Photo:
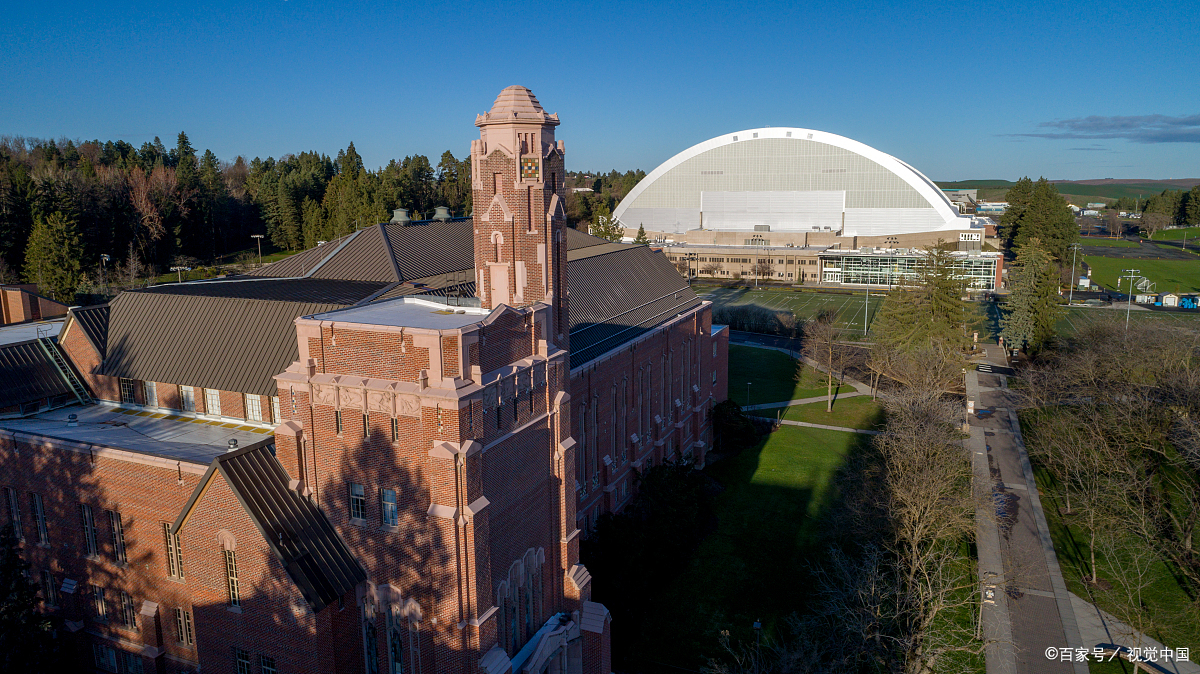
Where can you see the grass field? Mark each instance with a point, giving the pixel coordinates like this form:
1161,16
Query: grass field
1106,243
754,566
1176,234
1077,318
805,304
856,412
1163,598
1170,275
771,375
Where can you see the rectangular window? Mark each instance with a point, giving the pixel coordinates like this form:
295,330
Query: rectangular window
39,518
187,398
106,657
395,429
151,392
99,606
89,530
49,589
241,660
174,553
118,535
337,421
390,515
253,408
275,416
133,663
14,511
183,626
266,665
366,425
127,396
231,578
714,377
358,502
212,401
128,614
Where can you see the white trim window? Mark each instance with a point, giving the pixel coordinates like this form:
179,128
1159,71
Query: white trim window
89,530
231,579
99,605
128,612
212,401
105,657
118,536
358,502
39,518
253,408
276,417
151,391
14,511
127,395
187,398
174,553
183,627
390,514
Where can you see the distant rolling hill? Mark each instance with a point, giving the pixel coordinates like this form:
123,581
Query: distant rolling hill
1080,191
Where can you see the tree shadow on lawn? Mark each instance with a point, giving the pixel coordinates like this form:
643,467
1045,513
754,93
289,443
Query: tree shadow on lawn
774,524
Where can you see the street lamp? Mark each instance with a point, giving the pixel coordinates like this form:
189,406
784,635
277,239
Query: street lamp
179,272
1071,293
1131,274
747,394
259,237
104,258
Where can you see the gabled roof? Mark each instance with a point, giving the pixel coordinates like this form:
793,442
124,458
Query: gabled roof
232,335
578,239
316,558
93,321
27,374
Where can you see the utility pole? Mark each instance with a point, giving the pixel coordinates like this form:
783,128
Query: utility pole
747,394
259,238
866,309
179,272
104,258
1071,294
1131,274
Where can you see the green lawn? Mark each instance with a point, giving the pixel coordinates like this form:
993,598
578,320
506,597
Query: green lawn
854,412
1106,243
771,375
754,566
1164,597
1076,319
1169,275
850,307
1176,234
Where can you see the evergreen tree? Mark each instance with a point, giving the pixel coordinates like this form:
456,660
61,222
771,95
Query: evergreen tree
52,258
1191,215
931,310
641,236
604,225
1033,305
1018,198
27,637
1047,219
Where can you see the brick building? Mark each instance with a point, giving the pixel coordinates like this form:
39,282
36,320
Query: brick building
378,455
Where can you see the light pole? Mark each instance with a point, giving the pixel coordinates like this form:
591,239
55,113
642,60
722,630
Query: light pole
747,394
866,309
179,272
1131,274
104,258
1071,293
259,238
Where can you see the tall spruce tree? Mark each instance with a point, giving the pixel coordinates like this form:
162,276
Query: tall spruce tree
1047,219
1018,198
1033,306
52,258
641,236
27,636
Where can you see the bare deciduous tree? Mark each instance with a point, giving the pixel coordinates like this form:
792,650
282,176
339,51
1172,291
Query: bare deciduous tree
821,345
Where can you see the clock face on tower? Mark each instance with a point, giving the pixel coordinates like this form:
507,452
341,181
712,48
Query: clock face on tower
529,169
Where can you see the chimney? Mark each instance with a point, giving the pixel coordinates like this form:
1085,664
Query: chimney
232,445
441,213
400,216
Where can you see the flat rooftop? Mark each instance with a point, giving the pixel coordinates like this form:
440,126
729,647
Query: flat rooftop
407,312
23,332
160,434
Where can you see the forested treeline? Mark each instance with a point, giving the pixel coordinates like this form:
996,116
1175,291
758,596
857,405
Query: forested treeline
1182,208
607,190
64,204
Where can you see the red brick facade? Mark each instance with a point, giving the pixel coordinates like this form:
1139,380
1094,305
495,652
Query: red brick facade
460,465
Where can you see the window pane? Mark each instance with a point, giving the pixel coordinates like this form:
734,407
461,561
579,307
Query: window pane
390,515
151,394
212,401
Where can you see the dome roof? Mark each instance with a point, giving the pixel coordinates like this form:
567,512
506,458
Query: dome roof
516,103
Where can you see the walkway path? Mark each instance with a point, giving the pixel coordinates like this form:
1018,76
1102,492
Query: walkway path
803,401
789,422
1032,610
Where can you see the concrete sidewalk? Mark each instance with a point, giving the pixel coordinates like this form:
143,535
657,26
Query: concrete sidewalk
805,424
802,401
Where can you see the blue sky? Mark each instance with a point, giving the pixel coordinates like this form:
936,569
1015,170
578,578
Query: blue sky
1066,90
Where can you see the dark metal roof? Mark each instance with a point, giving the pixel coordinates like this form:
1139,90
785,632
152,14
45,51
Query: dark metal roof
317,559
431,248
295,266
618,292
578,239
232,336
364,258
94,323
27,374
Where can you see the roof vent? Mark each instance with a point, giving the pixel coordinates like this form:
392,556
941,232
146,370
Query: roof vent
441,213
762,228
232,445
72,420
400,216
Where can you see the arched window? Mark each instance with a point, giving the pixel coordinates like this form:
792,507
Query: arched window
396,640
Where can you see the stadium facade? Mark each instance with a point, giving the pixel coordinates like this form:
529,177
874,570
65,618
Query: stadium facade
753,203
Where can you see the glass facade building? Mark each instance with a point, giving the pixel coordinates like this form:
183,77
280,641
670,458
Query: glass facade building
886,269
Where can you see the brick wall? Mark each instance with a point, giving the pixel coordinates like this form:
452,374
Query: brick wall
86,359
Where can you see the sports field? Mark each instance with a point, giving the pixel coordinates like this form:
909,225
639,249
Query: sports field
1078,318
1177,234
1168,275
805,304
